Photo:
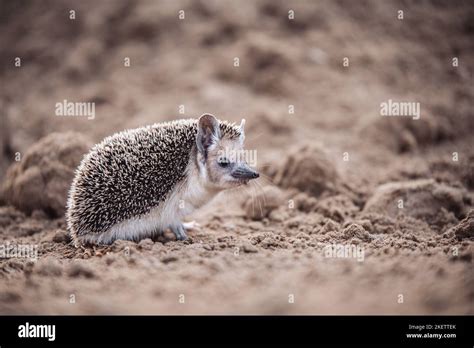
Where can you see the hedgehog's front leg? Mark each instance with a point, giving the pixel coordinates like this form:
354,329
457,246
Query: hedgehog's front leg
191,225
179,231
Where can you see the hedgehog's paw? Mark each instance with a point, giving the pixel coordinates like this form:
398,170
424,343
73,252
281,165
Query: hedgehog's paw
179,232
191,226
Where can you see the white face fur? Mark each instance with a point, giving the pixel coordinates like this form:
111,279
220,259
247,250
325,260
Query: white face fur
220,161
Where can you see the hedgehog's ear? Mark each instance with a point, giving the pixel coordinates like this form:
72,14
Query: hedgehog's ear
208,132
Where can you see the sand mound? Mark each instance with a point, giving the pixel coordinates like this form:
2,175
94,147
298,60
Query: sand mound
41,180
422,199
309,170
406,134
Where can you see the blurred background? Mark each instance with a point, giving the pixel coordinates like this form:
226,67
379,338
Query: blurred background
190,63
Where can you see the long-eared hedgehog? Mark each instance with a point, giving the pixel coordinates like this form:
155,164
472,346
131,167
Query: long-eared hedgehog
138,183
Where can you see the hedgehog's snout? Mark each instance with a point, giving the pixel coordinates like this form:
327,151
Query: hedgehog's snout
244,172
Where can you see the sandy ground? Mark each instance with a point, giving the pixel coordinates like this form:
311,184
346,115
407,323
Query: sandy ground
398,192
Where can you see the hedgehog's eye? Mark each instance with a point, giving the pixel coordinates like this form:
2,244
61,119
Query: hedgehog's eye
223,162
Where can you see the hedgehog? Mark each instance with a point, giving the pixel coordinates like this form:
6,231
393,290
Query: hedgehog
139,183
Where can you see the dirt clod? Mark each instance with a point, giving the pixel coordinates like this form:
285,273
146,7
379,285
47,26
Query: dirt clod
61,236
262,203
42,178
309,170
421,199
465,228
